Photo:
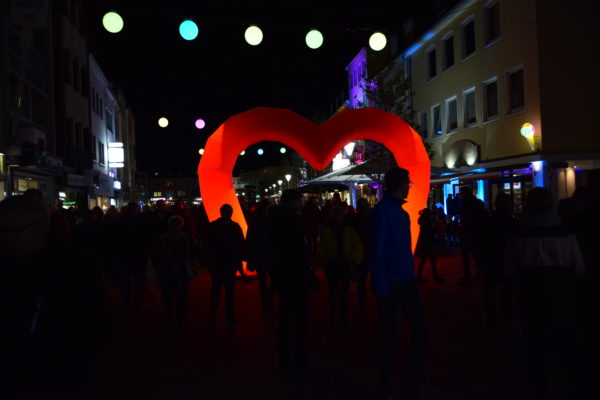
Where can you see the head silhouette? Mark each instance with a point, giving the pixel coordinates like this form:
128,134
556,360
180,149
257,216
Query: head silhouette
538,200
226,211
397,182
292,198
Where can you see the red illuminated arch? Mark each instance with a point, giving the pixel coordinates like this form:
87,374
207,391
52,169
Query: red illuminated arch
316,144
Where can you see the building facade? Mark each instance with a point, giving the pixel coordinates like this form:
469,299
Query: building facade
72,102
500,96
172,188
58,113
27,131
125,185
103,104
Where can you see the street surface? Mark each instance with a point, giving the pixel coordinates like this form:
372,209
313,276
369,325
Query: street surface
153,359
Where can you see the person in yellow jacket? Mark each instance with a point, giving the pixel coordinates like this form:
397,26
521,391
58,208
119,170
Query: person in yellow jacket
340,251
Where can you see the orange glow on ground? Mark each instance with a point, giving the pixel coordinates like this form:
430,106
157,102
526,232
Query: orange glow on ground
316,144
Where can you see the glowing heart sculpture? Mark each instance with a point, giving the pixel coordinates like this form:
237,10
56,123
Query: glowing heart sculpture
316,144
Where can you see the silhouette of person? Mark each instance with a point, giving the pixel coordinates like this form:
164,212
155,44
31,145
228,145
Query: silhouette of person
133,260
426,245
473,217
360,222
291,281
259,251
587,221
393,278
545,261
336,199
501,225
56,314
175,269
313,219
340,250
225,253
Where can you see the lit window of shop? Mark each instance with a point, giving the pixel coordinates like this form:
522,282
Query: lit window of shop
157,194
24,184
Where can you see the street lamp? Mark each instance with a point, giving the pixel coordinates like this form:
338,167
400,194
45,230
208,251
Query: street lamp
287,178
279,182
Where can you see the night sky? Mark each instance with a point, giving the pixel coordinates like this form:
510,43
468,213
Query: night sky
218,74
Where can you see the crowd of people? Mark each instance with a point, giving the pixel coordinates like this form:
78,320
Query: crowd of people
540,266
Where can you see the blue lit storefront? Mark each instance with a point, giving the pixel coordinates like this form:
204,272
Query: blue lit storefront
515,177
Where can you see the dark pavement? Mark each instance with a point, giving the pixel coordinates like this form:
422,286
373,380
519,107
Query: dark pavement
153,359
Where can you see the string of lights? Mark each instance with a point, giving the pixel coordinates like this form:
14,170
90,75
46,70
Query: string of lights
253,34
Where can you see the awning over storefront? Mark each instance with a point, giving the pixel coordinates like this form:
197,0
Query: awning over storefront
353,174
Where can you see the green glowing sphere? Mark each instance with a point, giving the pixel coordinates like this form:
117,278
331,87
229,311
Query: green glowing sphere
314,39
253,35
377,41
112,22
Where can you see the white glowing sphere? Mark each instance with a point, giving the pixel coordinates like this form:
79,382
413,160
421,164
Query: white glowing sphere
282,150
243,152
377,41
253,35
201,151
163,122
314,39
260,152
112,22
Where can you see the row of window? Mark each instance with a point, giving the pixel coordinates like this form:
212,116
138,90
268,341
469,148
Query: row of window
430,121
491,33
180,193
97,103
97,107
76,75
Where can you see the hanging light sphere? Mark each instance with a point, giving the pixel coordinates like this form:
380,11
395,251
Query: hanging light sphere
163,122
314,39
282,150
377,41
243,152
260,152
201,151
188,30
112,22
200,123
253,35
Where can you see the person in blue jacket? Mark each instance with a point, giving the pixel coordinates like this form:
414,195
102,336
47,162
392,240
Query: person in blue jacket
393,279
